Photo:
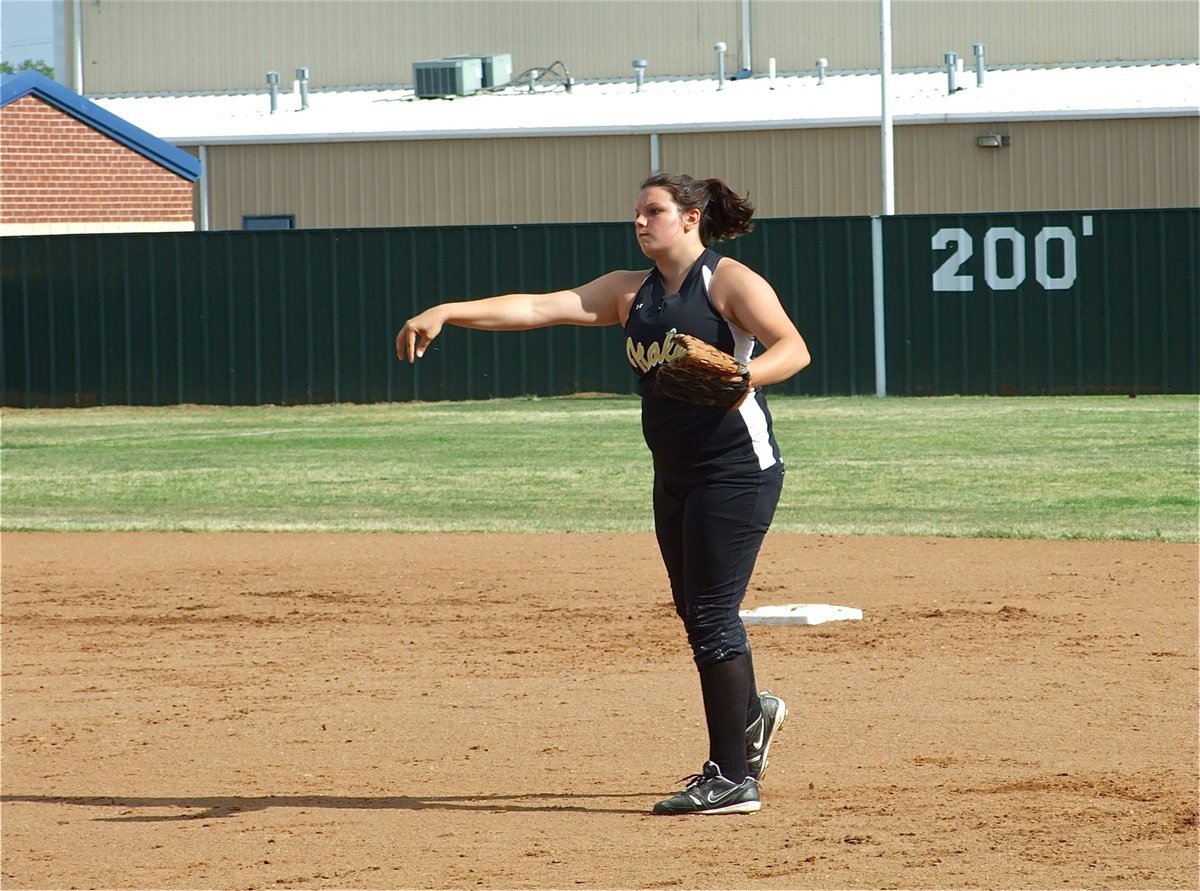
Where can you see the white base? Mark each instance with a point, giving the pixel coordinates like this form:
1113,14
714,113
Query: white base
799,614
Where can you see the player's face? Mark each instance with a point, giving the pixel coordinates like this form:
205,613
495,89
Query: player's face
657,220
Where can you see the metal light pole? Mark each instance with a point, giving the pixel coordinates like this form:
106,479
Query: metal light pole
885,118
889,195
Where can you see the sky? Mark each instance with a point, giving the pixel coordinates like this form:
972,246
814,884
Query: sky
27,30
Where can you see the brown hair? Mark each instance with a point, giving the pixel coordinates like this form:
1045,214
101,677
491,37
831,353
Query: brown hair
723,213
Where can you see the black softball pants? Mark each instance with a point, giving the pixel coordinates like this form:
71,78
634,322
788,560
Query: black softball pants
710,535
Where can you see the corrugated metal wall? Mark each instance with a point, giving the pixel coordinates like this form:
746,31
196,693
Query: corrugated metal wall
975,304
1016,32
428,182
1049,303
1145,162
1136,162
135,45
788,173
150,45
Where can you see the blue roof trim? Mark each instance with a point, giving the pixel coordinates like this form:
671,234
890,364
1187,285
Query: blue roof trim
16,86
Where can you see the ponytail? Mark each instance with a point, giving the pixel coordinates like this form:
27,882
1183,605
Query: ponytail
727,214
723,213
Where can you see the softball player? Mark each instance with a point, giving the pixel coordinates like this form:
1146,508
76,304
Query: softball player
717,474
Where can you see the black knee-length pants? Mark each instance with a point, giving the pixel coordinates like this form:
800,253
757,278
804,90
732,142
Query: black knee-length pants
710,535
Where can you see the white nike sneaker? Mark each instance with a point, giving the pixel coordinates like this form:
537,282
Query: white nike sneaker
710,793
760,734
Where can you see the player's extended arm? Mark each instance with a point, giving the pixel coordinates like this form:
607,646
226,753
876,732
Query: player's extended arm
592,304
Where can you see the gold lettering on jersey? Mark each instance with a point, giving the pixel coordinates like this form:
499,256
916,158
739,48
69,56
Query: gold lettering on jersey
644,358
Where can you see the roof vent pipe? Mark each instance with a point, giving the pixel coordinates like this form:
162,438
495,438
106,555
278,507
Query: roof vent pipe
302,77
720,48
273,83
771,71
822,64
639,72
979,49
951,60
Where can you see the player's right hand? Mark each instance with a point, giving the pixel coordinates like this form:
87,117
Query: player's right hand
416,335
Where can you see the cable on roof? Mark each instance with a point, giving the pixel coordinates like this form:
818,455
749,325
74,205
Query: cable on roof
554,76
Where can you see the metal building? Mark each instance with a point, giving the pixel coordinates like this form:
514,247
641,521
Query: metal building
159,46
802,145
1089,104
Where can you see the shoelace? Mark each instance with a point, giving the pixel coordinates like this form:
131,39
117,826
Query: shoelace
696,779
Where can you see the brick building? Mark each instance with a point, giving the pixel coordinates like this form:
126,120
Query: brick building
69,166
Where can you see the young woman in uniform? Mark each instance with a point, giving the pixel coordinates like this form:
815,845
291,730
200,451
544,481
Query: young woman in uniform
717,474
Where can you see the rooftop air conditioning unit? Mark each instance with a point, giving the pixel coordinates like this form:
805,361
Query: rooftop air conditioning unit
447,77
497,68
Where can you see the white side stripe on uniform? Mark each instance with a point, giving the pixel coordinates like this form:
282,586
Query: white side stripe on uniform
750,411
756,424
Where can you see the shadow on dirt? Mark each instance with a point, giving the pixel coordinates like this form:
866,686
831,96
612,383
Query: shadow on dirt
216,807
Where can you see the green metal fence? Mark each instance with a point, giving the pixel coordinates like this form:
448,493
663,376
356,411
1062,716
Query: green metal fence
310,316
1101,301
1043,303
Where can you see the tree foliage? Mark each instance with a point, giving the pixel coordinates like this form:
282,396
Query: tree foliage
38,65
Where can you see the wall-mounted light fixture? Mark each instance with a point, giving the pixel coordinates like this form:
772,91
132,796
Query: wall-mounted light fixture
993,140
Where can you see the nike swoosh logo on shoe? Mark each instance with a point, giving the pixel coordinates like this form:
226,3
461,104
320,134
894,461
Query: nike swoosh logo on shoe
762,734
717,798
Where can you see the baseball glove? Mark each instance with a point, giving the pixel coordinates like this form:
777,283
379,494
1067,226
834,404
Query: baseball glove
697,372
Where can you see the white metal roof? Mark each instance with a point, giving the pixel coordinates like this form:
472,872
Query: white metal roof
664,106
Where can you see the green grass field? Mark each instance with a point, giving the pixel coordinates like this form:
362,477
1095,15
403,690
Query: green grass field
1070,467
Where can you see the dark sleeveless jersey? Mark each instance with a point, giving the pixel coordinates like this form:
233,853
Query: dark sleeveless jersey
691,443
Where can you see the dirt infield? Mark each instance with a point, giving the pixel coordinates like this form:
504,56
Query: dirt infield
500,711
